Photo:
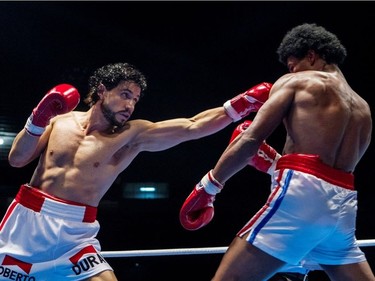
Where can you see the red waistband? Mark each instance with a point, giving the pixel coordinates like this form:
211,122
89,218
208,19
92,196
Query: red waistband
34,199
313,165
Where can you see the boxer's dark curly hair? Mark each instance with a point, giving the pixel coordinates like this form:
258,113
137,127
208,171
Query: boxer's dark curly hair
110,76
302,38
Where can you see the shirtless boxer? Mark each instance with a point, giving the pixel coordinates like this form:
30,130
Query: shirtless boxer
49,231
311,211
264,161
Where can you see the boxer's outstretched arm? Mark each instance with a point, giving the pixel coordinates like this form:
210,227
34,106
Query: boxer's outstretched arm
165,134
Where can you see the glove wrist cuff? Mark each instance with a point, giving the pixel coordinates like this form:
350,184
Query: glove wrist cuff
211,185
33,129
231,112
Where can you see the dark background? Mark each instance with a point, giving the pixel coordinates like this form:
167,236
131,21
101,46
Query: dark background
196,55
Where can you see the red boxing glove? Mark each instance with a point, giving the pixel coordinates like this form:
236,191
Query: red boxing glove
59,100
249,101
266,157
198,208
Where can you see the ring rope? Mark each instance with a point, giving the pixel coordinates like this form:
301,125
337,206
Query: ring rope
190,251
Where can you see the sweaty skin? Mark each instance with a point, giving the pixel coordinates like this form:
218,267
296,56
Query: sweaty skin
322,115
82,154
310,103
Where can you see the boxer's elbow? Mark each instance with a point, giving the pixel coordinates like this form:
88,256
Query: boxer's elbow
17,160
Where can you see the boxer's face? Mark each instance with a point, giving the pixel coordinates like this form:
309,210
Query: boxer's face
295,65
119,103
306,63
